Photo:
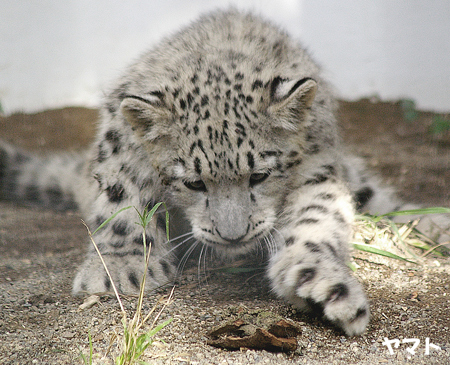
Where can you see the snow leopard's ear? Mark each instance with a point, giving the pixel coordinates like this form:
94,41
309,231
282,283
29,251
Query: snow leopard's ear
147,114
290,100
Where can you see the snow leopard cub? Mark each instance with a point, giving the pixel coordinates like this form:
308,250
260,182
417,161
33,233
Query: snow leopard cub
229,121
231,124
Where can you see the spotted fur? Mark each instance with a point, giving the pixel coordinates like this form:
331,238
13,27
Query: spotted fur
231,124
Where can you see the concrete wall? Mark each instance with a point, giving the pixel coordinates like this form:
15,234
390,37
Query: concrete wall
57,53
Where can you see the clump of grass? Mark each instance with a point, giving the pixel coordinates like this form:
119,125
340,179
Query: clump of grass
440,125
379,235
133,343
409,110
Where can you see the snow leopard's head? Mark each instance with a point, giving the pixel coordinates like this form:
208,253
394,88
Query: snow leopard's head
229,159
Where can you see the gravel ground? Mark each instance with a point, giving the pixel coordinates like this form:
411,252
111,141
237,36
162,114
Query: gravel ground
40,322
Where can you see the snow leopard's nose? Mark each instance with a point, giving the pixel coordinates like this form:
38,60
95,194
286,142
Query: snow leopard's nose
229,211
232,237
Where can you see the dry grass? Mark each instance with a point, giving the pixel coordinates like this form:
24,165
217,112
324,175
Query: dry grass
379,235
133,340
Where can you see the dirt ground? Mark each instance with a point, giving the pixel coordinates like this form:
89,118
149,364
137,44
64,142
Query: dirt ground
40,322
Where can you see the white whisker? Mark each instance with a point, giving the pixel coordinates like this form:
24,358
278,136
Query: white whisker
271,242
180,236
199,268
181,243
274,246
260,245
204,263
185,257
280,239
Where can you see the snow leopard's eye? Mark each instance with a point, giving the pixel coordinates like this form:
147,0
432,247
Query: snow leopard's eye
258,178
198,185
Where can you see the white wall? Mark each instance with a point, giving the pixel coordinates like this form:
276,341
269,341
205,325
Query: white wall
57,53
392,49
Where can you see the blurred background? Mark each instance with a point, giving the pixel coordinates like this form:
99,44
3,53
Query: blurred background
58,53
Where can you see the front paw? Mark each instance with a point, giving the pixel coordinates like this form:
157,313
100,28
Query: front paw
328,287
346,306
126,272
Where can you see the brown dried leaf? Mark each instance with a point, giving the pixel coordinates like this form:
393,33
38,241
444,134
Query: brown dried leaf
237,333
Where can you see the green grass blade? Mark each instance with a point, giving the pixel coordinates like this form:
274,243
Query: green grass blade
352,266
83,357
425,247
378,251
158,328
364,217
142,343
146,339
146,217
110,219
167,223
91,348
87,361
434,210
150,214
